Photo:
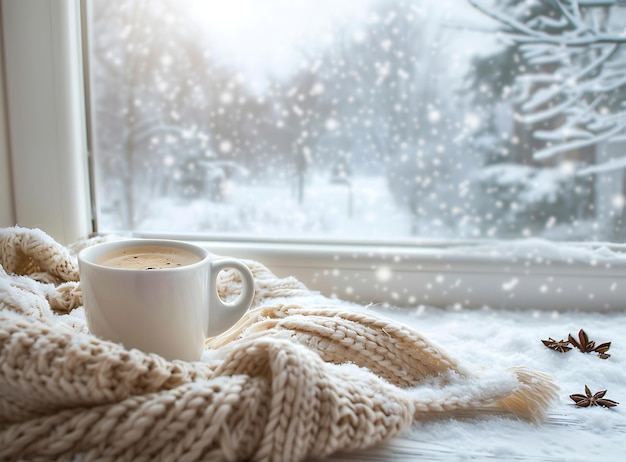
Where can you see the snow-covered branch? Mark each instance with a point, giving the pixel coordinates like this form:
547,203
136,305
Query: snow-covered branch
574,72
532,32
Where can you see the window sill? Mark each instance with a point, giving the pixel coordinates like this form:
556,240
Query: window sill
527,274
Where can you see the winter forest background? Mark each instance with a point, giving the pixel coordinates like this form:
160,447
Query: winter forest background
366,119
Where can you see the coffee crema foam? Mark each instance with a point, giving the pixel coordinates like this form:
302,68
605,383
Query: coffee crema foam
148,258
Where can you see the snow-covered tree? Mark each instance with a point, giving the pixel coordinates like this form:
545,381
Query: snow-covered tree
156,81
571,69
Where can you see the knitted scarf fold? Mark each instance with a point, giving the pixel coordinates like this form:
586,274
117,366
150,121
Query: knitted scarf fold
298,376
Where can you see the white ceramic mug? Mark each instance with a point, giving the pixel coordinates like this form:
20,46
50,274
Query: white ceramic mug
167,311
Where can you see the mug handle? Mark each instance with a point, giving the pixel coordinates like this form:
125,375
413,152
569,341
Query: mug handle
226,314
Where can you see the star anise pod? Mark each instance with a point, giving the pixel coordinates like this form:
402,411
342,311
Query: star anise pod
589,399
561,345
602,350
583,344
589,346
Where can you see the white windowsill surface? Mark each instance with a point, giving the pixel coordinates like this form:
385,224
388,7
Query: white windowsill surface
500,338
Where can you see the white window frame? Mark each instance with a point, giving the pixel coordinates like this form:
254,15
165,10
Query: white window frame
7,212
48,188
45,113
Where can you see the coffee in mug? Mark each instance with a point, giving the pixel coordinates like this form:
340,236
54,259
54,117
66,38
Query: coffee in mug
159,296
148,258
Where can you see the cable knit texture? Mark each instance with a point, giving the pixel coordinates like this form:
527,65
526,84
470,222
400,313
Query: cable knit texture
298,376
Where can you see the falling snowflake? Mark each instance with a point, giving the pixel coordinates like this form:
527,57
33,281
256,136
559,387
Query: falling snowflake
510,285
331,124
383,274
434,116
226,146
226,97
618,201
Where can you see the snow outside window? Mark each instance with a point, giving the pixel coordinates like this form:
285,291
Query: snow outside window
393,122
360,119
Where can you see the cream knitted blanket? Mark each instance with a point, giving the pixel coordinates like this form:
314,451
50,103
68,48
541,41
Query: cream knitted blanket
299,376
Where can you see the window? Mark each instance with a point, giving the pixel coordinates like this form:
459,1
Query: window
459,166
385,120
